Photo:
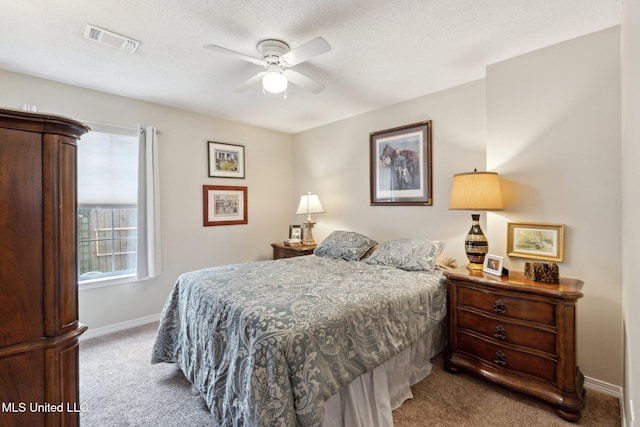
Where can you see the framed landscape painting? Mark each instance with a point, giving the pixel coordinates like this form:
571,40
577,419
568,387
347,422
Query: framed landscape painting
536,241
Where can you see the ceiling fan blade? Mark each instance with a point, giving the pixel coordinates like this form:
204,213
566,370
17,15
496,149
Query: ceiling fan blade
313,48
303,81
253,80
226,51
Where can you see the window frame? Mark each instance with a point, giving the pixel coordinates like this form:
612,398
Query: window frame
127,276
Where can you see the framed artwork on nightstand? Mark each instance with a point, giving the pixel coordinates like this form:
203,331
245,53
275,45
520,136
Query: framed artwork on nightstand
536,241
295,232
493,264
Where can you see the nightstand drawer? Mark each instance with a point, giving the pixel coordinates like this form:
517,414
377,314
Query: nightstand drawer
507,358
500,304
508,332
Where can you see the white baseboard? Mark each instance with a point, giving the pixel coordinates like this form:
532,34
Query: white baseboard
603,387
92,333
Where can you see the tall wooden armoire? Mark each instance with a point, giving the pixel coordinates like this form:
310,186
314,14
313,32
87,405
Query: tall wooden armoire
39,326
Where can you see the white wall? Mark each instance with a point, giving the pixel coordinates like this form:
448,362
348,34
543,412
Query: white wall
631,203
553,134
549,123
183,136
333,161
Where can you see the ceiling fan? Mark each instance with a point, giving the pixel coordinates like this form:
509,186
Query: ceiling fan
277,58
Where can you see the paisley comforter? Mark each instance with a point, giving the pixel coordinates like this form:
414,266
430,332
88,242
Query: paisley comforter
266,343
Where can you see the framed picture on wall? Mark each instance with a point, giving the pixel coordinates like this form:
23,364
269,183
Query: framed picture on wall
225,160
400,166
224,205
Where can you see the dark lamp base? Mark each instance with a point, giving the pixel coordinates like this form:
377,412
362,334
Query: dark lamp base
476,244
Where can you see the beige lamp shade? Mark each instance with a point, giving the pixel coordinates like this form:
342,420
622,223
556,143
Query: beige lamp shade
476,191
309,203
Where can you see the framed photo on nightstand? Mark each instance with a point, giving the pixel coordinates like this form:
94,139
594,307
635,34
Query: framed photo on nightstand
493,264
295,232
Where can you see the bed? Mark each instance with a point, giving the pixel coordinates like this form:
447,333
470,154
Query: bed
331,339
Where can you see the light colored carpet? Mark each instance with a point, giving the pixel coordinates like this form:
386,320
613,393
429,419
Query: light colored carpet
120,387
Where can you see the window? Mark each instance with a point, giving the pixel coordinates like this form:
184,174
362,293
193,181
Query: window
117,182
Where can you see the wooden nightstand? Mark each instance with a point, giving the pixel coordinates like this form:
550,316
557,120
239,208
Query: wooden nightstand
280,250
517,333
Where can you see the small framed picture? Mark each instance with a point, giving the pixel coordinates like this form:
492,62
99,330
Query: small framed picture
224,205
295,232
226,160
493,264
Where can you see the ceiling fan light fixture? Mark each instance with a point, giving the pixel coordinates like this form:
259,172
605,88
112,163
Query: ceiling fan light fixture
274,81
276,56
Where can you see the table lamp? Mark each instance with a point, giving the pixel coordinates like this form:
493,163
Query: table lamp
476,191
309,203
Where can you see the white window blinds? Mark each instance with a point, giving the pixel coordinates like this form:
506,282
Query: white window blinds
108,167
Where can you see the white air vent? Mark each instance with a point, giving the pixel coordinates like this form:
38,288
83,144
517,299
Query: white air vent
111,39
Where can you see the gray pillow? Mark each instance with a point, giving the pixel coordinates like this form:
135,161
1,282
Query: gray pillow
347,245
407,254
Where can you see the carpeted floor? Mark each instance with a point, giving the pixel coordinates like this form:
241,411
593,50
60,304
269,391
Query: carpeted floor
119,387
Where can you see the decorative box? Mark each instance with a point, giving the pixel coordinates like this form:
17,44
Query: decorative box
542,272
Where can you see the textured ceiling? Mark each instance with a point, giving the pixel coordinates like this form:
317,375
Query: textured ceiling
383,51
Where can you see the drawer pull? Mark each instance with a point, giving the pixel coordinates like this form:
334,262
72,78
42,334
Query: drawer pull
500,333
499,307
500,359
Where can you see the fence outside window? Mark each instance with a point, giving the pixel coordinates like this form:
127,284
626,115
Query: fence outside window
107,242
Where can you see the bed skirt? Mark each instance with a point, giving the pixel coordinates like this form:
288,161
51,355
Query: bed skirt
368,401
